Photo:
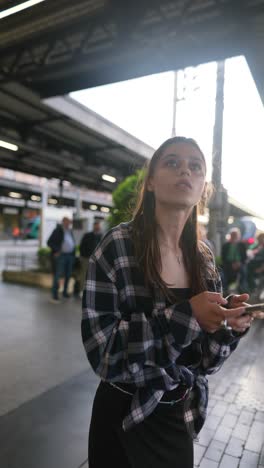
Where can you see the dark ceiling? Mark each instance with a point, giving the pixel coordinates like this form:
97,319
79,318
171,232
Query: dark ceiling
60,46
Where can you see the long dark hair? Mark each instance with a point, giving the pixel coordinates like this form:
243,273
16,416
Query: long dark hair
196,254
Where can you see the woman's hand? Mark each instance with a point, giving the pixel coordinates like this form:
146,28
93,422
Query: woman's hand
258,314
239,324
209,313
238,300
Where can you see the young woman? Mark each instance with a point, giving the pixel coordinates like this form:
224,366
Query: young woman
153,318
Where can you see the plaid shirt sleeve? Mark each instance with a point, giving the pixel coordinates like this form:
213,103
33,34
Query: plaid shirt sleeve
218,346
133,348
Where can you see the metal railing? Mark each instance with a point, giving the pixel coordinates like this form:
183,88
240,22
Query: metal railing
20,261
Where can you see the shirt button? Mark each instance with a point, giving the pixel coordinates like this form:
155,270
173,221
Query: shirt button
134,368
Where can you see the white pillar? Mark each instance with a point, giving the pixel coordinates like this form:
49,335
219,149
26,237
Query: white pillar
175,100
78,205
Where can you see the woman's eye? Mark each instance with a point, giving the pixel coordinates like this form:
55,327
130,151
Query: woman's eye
196,167
172,163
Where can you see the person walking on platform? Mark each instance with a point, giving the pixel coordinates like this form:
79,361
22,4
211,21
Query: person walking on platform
255,266
62,244
154,319
88,243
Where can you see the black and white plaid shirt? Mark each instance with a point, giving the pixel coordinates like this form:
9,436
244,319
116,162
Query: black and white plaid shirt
131,336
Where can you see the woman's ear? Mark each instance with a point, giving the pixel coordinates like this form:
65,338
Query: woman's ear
150,185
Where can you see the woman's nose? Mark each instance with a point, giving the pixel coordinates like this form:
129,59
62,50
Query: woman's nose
184,169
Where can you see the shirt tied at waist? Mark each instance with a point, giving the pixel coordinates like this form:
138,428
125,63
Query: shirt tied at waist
148,398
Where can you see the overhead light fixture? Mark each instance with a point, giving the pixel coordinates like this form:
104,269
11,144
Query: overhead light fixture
109,178
11,211
14,195
105,209
9,146
52,201
17,8
93,207
35,198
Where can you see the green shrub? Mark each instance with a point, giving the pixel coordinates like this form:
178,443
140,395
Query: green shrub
42,251
124,199
44,259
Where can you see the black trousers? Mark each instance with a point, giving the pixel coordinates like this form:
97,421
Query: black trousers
160,441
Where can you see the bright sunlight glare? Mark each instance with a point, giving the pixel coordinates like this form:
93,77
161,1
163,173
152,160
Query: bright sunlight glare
144,108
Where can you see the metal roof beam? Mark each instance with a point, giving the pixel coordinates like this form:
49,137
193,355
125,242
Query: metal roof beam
71,53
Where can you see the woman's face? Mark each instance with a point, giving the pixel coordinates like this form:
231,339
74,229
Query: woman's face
261,239
179,176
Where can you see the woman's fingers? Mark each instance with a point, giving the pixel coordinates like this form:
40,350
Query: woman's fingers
242,297
258,315
238,299
240,324
216,298
233,313
240,330
208,310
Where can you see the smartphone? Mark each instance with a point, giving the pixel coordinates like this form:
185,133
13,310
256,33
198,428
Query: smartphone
253,308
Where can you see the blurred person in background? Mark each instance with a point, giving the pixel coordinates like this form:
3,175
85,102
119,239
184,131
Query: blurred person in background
15,233
62,244
204,238
88,244
255,266
234,257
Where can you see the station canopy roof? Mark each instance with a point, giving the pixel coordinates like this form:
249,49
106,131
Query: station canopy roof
56,47
60,46
65,140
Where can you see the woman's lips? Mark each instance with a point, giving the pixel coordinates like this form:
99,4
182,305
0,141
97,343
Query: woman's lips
184,184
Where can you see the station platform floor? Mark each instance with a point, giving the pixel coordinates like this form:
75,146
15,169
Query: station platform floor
47,389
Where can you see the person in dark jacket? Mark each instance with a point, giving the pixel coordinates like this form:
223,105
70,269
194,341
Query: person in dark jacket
62,244
234,257
255,266
88,243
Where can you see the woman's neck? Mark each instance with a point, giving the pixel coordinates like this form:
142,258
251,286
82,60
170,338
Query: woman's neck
170,226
